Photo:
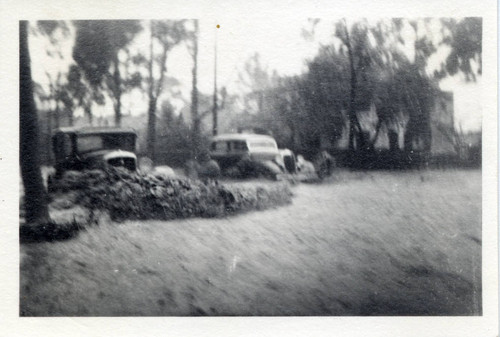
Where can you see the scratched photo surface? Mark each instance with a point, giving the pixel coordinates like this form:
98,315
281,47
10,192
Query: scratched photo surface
323,167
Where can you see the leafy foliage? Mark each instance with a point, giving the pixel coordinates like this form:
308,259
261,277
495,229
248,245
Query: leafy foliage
466,48
128,195
173,139
97,44
370,66
167,34
81,92
96,51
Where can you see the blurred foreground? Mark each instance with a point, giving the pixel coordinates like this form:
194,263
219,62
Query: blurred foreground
377,243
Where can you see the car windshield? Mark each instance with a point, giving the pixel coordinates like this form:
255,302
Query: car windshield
220,146
122,141
262,143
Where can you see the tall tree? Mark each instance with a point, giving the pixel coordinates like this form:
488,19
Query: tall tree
54,34
255,79
97,49
60,95
173,136
355,40
418,94
165,35
43,101
81,93
35,197
418,90
465,40
284,118
325,93
195,114
386,94
381,65
392,76
55,88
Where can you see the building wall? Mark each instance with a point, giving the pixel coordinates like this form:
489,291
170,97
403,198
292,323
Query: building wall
442,114
442,118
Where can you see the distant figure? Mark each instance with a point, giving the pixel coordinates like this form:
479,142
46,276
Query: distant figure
325,163
207,167
204,168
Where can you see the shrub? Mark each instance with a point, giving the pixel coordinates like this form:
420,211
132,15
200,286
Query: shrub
247,168
128,195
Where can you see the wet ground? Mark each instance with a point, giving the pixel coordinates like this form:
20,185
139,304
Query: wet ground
382,243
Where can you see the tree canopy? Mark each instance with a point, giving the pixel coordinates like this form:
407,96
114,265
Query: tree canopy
97,50
382,65
377,66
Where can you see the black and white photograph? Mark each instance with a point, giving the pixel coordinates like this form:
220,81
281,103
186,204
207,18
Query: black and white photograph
236,167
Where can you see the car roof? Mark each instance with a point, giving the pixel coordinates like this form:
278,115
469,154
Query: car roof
94,130
241,136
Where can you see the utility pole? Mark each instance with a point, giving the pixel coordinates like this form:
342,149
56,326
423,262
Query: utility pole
214,111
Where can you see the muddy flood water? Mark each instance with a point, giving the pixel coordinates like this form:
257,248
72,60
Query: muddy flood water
379,243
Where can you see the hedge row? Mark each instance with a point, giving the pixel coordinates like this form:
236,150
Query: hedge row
126,195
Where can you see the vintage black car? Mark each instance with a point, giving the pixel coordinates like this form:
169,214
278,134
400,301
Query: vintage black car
79,149
257,153
249,153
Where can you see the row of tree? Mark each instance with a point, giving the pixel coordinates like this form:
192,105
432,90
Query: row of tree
105,66
381,65
366,64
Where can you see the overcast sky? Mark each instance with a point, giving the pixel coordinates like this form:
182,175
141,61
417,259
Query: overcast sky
280,45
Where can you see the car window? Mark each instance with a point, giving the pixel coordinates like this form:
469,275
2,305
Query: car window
86,143
119,141
220,146
262,143
239,146
89,143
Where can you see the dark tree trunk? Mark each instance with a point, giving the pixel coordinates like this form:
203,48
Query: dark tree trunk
35,197
427,131
195,117
89,115
151,132
393,140
57,115
70,117
151,141
117,92
354,126
154,94
408,136
49,135
377,132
